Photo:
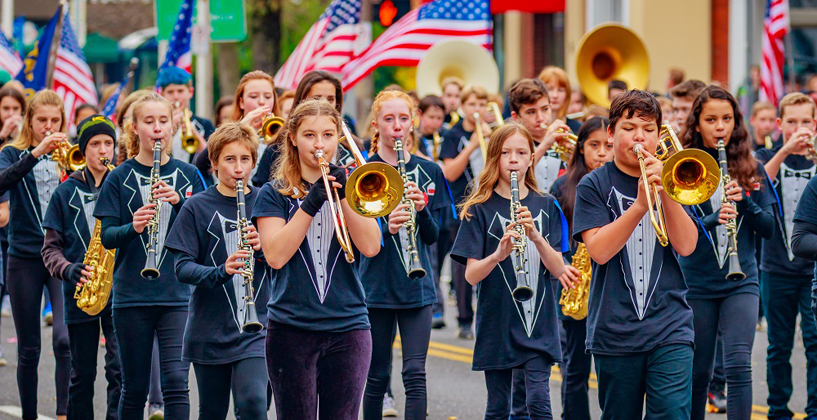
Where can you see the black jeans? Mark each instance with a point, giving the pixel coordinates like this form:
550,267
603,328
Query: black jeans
439,252
84,339
465,292
27,279
305,366
247,377
718,382
415,333
537,377
736,317
135,328
576,371
786,296
664,375
155,390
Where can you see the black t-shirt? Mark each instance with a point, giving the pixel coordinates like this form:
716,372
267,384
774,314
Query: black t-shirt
205,128
790,182
807,212
638,298
455,140
385,277
71,214
705,269
205,234
30,183
264,167
316,290
126,190
510,333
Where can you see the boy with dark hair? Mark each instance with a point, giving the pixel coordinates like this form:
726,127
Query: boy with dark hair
639,324
69,224
615,88
176,85
683,95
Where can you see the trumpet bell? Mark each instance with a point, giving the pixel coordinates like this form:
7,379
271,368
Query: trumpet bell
270,127
374,189
190,144
690,176
465,60
75,159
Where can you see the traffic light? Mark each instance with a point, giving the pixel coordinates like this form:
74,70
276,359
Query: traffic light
390,11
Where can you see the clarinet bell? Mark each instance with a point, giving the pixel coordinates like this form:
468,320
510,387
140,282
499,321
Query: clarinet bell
251,324
150,272
416,270
522,293
735,272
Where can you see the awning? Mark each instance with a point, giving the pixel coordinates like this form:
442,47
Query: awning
101,49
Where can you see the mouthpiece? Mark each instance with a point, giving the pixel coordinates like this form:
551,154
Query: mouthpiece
638,148
318,154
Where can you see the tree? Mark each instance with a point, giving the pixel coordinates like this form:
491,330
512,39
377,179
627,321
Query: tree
264,24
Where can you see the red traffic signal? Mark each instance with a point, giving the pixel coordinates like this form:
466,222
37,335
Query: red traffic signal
387,13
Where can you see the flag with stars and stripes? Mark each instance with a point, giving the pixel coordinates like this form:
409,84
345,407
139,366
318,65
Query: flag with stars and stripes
329,44
408,40
178,48
73,79
10,61
775,27
110,106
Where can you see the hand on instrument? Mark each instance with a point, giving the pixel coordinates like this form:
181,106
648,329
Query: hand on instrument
570,278
178,116
86,273
10,126
416,196
653,169
255,118
506,243
733,191
339,174
316,196
799,143
552,136
142,216
525,219
252,237
398,217
235,262
49,144
165,193
726,214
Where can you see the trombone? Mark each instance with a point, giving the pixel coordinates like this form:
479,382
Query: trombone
483,144
373,190
689,177
493,108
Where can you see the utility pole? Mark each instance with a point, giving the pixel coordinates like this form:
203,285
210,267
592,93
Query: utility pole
204,61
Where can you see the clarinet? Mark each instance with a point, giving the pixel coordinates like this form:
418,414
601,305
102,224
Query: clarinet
735,272
416,270
250,324
522,292
151,270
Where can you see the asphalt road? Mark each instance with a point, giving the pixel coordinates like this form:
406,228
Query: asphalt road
455,392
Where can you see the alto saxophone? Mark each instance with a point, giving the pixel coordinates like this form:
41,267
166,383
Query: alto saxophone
151,270
92,297
416,270
574,301
523,291
250,324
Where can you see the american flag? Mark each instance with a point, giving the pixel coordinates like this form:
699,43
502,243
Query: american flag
110,106
408,40
775,27
10,61
73,80
329,44
178,48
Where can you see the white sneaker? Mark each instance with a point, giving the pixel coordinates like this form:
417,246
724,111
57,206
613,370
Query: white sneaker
388,407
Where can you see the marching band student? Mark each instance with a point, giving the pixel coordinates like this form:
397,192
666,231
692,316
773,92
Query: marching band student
452,99
558,88
513,334
462,163
204,240
286,99
176,85
142,308
318,340
728,306
69,224
804,237
639,325
431,113
394,299
593,149
683,95
762,121
30,176
786,278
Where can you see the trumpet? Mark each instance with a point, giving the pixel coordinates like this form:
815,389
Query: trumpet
522,292
483,144
811,153
190,142
689,177
67,155
567,146
493,108
735,272
270,127
435,150
455,118
416,270
250,324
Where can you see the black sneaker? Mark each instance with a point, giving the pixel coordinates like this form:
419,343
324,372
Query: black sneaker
437,321
465,332
716,402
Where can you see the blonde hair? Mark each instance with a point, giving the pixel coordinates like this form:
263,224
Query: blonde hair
232,132
377,105
490,175
238,113
476,90
452,80
762,106
557,74
45,97
133,136
127,150
795,98
288,166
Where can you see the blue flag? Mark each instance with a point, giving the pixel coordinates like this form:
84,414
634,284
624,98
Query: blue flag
34,74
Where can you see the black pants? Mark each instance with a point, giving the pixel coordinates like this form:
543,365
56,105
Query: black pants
84,339
27,278
249,382
4,246
155,390
736,317
718,382
465,291
576,371
439,252
786,296
135,328
415,333
537,377
305,366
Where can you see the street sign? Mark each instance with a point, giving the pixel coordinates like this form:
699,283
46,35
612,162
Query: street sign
228,18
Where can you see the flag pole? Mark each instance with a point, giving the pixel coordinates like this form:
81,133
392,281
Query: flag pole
55,44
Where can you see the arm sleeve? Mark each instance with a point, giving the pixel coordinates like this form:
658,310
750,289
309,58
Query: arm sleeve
804,240
53,256
115,236
761,218
187,271
429,229
590,210
13,172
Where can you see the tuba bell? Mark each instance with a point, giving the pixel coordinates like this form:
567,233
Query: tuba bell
467,61
609,52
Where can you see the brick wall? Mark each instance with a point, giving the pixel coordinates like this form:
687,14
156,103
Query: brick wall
720,41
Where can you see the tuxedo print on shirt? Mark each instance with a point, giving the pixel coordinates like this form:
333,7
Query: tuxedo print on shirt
475,163
794,183
139,188
547,170
47,179
83,204
319,262
401,240
642,265
719,240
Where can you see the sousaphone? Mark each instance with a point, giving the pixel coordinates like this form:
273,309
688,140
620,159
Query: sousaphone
467,61
611,52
